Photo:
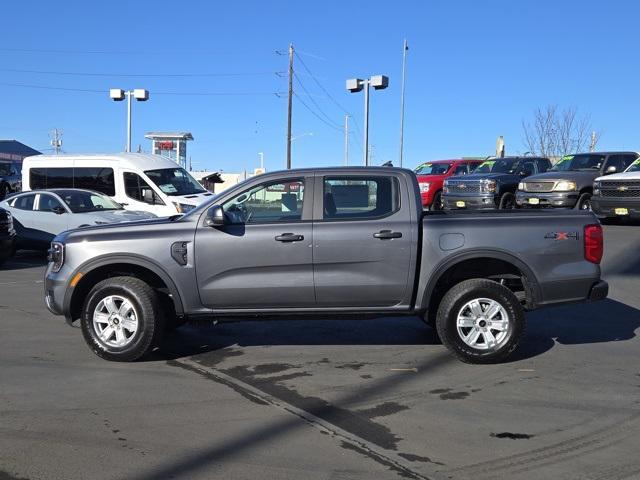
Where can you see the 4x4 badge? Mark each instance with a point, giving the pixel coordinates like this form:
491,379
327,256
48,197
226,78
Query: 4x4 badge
562,235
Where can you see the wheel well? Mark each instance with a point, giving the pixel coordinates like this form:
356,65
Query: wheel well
90,279
491,268
586,190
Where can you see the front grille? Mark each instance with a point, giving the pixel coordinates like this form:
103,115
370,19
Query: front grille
620,189
460,186
539,187
622,183
614,193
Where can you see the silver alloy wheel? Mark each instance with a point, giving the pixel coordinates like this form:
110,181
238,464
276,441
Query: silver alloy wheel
483,323
115,321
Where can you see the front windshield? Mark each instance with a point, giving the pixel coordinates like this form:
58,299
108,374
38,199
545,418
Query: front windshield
80,201
175,181
433,168
501,165
634,167
578,162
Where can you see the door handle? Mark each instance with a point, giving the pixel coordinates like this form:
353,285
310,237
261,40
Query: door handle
289,237
387,234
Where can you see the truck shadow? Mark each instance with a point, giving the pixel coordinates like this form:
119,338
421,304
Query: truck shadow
606,321
24,259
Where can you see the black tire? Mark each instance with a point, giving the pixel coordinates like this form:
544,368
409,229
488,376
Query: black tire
4,191
584,202
452,304
436,203
507,201
148,313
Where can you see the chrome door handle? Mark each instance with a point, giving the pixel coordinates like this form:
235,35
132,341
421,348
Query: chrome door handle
289,237
387,234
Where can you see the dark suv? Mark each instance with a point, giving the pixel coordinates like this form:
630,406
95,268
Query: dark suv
569,183
492,184
10,177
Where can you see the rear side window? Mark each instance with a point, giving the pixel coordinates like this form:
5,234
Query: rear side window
461,169
90,178
544,164
360,197
620,161
136,188
25,202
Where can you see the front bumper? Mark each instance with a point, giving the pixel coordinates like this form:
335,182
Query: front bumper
7,245
55,286
599,291
480,201
605,207
552,199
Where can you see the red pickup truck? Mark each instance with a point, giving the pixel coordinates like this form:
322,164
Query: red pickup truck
431,176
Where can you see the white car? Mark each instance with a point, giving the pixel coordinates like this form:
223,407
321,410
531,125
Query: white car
40,215
617,196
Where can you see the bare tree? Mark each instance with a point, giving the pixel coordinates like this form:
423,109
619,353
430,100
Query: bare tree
555,133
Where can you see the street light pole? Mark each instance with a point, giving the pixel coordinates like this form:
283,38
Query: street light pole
378,82
128,149
118,94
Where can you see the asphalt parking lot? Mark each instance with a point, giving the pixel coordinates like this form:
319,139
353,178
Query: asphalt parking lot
325,399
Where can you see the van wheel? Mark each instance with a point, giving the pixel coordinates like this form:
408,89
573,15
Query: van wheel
507,201
122,319
584,202
480,321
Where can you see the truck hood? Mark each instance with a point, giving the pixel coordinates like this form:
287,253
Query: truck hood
621,176
498,177
116,216
580,177
134,229
194,199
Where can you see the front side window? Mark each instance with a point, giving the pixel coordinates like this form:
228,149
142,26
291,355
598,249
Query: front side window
359,197
136,188
47,203
174,181
80,201
621,162
461,170
267,203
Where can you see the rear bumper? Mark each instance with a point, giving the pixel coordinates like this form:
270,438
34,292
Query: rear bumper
555,199
599,291
470,202
605,207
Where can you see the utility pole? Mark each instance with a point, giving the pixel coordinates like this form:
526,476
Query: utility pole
290,105
404,65
346,140
592,144
378,82
56,140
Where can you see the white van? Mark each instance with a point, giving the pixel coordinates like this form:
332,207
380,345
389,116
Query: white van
138,181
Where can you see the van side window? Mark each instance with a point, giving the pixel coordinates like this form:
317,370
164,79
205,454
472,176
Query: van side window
91,178
136,188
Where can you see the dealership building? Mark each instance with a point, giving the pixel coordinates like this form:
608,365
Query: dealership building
170,144
15,150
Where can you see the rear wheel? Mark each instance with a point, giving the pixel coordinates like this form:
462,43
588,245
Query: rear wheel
480,321
584,202
507,201
122,319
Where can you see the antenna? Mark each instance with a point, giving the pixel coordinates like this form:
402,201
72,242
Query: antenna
56,140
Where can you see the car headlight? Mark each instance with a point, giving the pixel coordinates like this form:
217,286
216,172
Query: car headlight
565,186
445,186
424,187
56,256
183,207
488,186
596,188
521,186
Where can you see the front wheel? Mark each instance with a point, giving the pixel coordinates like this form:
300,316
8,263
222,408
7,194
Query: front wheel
584,202
480,321
507,201
122,319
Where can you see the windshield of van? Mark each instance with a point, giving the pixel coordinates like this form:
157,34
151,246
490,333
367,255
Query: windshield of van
502,165
578,162
80,201
175,181
433,168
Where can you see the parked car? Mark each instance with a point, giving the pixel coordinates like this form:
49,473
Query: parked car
10,177
569,183
41,215
431,176
618,195
7,236
492,184
137,181
330,241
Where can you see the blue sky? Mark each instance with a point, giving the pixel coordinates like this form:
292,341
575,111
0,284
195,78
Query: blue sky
475,70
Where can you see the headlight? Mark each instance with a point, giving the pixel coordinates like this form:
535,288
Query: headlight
424,187
565,186
596,188
56,256
488,186
521,186
183,207
445,186
597,184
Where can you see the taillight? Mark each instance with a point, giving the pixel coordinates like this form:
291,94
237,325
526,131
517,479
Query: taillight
593,243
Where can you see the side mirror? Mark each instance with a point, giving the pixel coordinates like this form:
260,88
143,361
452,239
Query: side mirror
148,196
215,217
59,210
610,169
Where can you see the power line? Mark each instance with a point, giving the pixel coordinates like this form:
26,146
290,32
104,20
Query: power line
313,100
139,75
117,52
315,114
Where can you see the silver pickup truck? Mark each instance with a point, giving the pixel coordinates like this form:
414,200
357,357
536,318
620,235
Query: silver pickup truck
334,242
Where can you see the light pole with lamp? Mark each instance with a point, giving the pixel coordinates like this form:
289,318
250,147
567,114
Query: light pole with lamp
118,94
379,82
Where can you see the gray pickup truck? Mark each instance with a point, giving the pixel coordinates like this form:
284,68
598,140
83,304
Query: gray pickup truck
333,242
